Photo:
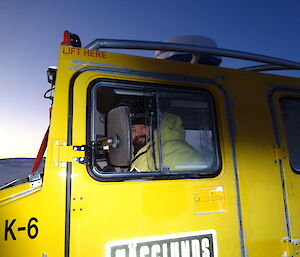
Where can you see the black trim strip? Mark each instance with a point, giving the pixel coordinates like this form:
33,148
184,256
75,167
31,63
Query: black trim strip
71,104
232,134
68,208
286,209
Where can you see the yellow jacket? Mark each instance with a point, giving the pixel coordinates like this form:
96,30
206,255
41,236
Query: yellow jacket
177,154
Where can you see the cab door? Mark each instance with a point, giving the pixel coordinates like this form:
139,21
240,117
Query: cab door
182,209
287,109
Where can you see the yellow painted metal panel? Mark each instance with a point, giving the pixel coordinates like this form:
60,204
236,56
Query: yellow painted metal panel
209,200
260,182
33,224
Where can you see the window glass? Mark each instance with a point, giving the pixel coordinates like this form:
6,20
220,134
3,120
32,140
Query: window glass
17,169
290,110
186,131
171,132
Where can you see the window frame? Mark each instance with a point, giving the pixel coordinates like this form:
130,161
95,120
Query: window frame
99,175
295,170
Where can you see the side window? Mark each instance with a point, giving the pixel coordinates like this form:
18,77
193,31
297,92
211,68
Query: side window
290,110
172,133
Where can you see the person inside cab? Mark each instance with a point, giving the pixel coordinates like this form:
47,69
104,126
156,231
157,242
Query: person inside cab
165,151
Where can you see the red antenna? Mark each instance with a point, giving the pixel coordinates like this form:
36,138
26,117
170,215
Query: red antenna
42,149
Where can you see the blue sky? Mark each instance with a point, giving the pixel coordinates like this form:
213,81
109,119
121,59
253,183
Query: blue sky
31,32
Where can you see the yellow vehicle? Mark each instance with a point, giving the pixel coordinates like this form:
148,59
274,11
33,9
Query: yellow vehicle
239,198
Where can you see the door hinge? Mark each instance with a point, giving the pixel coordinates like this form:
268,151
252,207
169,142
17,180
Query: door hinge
80,148
35,180
280,153
62,153
291,247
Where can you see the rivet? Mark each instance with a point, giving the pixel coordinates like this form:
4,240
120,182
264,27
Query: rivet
81,159
56,164
45,255
75,148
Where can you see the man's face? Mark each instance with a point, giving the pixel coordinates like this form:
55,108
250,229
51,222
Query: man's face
139,135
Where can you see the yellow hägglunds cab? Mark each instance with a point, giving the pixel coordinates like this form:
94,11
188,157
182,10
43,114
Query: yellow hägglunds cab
171,156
